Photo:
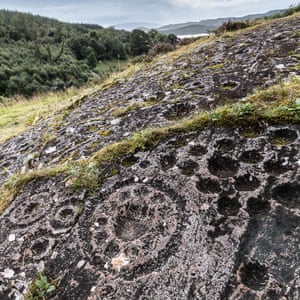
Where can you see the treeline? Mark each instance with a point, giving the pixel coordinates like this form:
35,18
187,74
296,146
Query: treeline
39,54
236,25
288,12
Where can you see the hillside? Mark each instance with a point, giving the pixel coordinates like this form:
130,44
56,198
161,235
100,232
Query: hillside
179,179
209,25
39,54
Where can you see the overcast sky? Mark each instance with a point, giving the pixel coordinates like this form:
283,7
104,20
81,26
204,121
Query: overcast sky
111,12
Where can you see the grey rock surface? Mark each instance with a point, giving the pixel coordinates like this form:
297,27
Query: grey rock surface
216,218
210,214
212,74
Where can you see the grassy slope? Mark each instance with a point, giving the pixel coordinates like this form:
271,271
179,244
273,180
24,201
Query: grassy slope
18,113
278,104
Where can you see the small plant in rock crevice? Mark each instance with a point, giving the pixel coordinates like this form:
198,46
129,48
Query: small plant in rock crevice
41,288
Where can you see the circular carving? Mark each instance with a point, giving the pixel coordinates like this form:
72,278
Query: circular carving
228,206
247,182
252,130
31,210
139,226
223,166
168,161
197,150
208,185
276,166
29,246
224,145
256,206
188,167
254,275
65,217
288,194
41,247
251,157
283,136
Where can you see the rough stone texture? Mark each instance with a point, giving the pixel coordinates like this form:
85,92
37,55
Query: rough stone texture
207,215
225,70
212,214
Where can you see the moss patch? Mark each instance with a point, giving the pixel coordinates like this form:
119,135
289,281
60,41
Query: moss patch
283,108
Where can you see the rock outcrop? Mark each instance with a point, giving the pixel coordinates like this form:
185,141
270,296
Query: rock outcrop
206,214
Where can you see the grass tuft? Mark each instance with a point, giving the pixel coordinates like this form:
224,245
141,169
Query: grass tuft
279,104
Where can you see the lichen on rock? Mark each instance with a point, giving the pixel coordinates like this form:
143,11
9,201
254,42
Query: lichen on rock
188,211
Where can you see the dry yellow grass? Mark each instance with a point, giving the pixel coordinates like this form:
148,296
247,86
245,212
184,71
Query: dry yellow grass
277,104
18,113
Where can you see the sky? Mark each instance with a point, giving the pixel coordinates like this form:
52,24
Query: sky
112,12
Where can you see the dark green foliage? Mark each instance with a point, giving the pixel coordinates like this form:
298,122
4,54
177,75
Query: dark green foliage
156,37
288,12
91,58
39,54
172,39
151,43
139,42
232,26
161,48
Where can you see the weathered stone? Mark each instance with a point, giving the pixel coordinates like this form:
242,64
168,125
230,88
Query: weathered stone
211,214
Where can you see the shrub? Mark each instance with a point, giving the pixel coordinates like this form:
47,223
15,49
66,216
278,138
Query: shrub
161,48
232,26
288,12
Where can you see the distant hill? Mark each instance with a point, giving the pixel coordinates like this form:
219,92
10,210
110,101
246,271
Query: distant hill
137,25
177,179
205,26
190,28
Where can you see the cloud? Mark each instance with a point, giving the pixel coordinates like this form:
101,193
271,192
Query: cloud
208,4
111,12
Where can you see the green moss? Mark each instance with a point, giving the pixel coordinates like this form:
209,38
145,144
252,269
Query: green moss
93,128
93,146
83,174
175,86
215,67
112,172
279,141
48,137
296,34
295,68
229,86
128,161
104,132
17,182
278,105
80,209
189,171
120,112
227,35
251,130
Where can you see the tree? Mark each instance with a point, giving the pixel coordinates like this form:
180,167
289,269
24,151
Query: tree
172,39
91,58
139,42
156,37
